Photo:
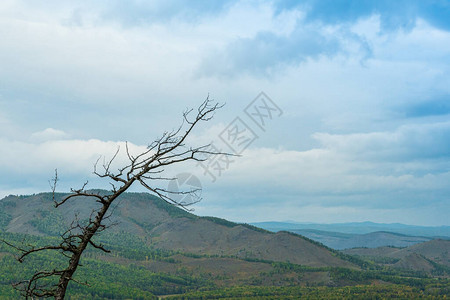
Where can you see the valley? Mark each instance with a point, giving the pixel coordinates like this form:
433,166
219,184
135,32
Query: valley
160,250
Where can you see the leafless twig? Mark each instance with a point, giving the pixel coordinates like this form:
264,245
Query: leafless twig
144,168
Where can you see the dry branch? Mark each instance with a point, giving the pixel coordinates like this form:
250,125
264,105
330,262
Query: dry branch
145,168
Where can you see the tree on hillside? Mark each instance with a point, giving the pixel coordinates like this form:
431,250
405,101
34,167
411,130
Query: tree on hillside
145,168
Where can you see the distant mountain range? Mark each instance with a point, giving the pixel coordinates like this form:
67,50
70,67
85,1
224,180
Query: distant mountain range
366,234
360,228
159,249
339,241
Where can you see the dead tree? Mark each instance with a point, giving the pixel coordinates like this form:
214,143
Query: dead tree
146,168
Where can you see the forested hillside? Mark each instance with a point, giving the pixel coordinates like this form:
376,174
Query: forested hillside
158,249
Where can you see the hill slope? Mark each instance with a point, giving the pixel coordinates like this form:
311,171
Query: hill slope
339,241
158,249
425,256
166,227
361,228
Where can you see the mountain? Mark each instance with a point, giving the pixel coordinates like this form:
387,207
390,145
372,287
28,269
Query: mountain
166,227
365,234
339,241
427,256
437,251
159,249
361,228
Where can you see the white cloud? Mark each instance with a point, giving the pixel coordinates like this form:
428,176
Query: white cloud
408,142
93,77
48,134
72,157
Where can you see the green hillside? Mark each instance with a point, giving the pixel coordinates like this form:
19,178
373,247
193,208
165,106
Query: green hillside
432,257
164,226
158,249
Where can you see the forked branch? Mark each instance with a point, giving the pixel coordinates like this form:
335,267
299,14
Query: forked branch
146,168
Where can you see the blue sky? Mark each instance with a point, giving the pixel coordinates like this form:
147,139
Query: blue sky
364,87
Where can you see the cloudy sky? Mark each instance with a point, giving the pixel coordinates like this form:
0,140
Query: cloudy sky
363,91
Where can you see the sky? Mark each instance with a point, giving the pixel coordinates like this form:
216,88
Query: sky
355,103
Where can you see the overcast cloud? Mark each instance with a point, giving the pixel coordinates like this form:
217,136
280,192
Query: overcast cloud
364,87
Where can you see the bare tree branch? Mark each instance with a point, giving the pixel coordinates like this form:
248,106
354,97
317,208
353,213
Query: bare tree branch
145,168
